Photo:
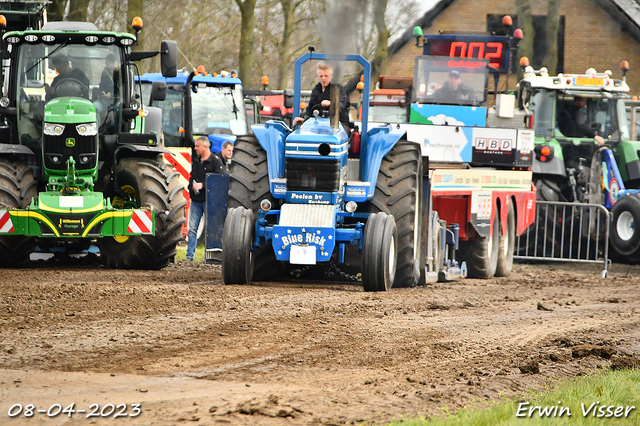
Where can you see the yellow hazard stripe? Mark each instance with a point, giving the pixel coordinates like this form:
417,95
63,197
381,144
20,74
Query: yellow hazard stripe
105,216
36,216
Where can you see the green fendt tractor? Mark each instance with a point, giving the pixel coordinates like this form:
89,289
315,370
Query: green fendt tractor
81,160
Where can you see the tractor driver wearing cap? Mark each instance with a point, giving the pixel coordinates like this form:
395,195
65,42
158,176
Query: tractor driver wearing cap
454,90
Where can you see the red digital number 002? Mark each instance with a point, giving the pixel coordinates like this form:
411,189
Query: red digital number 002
476,50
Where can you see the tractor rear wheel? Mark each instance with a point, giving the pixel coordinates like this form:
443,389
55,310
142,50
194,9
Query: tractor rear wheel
481,254
237,259
399,193
150,184
506,244
248,185
17,188
379,252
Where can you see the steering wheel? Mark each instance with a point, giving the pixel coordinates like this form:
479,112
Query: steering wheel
323,111
69,87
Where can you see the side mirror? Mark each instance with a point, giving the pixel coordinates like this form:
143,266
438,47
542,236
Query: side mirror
288,98
158,91
169,58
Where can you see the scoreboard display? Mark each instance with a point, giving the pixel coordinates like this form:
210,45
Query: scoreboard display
464,51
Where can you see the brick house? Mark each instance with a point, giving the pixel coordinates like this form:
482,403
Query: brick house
593,33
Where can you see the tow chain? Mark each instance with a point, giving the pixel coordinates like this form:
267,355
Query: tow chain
296,273
349,277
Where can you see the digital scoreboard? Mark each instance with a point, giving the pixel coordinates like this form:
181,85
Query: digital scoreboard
464,51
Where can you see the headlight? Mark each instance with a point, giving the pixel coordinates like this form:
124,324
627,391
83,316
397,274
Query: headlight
265,205
4,102
351,206
89,129
53,129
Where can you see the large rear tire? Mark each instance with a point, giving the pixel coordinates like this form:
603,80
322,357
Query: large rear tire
506,245
151,184
379,252
399,193
17,188
481,254
248,185
625,226
237,259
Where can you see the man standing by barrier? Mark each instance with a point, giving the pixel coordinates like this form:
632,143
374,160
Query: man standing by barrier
203,162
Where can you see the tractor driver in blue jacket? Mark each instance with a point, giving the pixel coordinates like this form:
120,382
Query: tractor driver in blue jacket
321,98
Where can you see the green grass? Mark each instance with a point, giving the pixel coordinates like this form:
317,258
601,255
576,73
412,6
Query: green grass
182,253
617,388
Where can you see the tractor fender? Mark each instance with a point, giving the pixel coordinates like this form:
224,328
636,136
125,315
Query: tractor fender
555,166
218,139
130,150
379,141
8,148
271,137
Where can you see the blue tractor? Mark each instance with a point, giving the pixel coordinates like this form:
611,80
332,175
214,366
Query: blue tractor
302,197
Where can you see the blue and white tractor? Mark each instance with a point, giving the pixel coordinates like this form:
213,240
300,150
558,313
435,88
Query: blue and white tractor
308,196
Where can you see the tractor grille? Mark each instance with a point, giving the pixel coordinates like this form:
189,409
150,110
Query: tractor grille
57,151
312,175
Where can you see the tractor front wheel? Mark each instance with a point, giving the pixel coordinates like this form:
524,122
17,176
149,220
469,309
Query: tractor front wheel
17,188
152,184
248,185
379,252
399,193
237,258
625,226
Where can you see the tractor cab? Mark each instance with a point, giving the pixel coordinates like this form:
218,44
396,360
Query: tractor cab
554,101
439,81
213,105
52,80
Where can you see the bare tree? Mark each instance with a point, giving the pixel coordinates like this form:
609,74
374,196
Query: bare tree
55,10
78,10
284,52
381,56
523,10
553,23
107,14
245,58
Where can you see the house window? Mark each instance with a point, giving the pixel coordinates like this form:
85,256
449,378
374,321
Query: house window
494,25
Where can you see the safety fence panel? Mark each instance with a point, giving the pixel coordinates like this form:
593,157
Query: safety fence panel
567,232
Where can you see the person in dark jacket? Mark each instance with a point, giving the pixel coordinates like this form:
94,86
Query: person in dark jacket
573,121
203,162
225,155
66,72
454,90
108,87
321,97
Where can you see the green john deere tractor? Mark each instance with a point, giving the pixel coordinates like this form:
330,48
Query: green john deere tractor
81,160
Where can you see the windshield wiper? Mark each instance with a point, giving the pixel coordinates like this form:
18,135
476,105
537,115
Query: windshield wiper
47,56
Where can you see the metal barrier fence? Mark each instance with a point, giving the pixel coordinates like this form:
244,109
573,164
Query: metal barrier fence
567,232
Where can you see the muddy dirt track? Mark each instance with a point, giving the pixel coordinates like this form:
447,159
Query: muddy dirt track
189,349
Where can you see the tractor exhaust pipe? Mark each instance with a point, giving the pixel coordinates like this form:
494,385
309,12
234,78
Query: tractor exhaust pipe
334,107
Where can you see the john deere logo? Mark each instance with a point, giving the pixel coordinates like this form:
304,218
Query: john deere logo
70,142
